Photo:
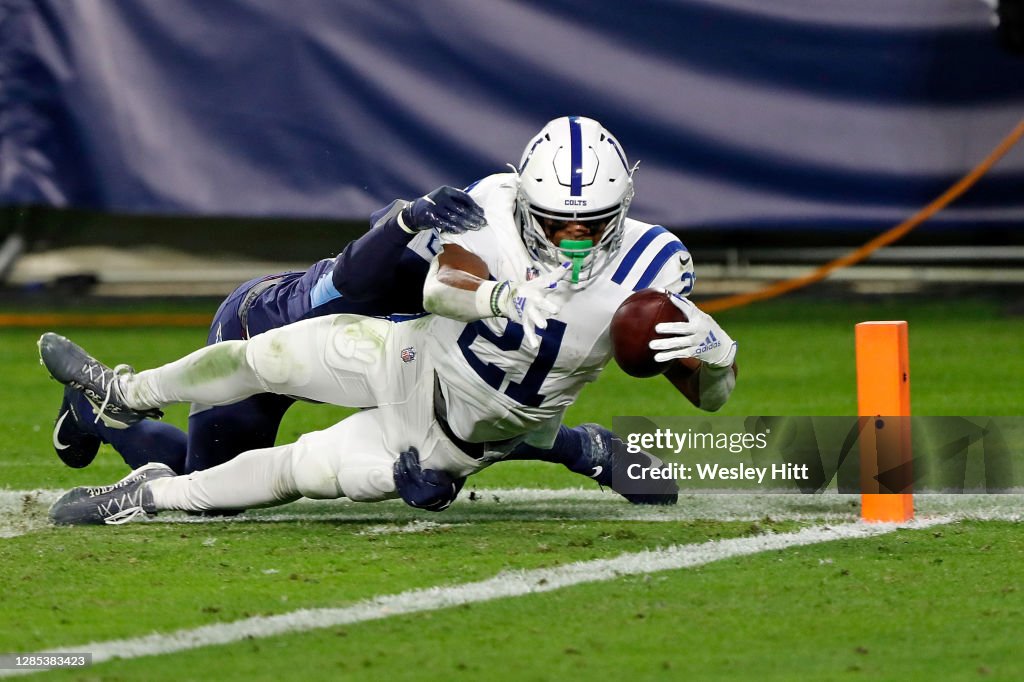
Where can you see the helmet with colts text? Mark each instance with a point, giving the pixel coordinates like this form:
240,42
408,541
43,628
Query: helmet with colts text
575,187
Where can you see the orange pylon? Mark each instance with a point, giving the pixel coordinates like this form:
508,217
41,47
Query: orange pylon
883,399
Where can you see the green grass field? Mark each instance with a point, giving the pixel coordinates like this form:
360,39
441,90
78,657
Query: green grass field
925,603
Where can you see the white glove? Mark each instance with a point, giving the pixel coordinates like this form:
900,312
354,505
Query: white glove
529,302
700,337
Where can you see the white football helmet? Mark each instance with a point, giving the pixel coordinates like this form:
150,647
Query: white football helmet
574,171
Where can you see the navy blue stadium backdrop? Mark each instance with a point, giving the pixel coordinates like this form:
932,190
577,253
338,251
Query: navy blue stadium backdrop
743,113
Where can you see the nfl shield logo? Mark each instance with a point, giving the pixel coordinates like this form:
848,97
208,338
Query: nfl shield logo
408,354
531,273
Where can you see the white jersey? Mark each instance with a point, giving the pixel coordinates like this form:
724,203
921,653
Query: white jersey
498,387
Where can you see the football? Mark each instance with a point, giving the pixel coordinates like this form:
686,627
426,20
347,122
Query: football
632,328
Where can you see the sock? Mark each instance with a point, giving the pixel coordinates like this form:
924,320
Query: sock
148,441
139,444
568,449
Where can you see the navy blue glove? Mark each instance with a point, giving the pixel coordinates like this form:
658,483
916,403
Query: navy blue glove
446,209
421,488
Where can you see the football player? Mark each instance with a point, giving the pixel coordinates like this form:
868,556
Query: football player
380,274
522,309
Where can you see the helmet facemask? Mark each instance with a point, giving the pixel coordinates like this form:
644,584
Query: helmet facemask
588,258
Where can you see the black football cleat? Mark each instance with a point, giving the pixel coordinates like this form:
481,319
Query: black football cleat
73,444
110,505
69,364
610,462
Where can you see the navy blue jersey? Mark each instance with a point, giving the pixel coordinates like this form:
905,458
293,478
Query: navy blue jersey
294,296
381,275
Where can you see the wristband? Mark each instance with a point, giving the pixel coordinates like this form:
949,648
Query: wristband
496,297
485,294
401,223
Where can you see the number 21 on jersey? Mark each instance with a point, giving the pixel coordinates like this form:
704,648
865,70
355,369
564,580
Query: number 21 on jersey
526,391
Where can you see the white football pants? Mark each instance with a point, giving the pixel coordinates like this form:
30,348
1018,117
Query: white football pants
341,359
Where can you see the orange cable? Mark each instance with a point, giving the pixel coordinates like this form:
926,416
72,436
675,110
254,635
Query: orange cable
884,239
52,320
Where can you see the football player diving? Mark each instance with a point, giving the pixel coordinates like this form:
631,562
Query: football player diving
380,274
521,305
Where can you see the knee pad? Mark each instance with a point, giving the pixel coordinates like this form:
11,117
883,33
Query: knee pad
368,481
348,459
277,364
313,473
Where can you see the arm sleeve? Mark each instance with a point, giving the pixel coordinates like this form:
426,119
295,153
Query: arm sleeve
366,266
716,384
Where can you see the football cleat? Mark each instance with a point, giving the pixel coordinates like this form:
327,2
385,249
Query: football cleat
73,444
110,505
609,461
69,364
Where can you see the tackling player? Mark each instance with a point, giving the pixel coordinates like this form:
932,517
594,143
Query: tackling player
521,326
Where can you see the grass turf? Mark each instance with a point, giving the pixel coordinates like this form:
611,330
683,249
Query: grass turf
237,570
795,358
915,605
941,603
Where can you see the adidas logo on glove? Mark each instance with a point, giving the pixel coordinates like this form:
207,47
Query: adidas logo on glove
708,343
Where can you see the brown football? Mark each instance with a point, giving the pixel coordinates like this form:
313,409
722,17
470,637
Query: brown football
632,328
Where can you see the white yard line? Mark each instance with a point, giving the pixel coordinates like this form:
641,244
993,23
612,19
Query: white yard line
503,585
24,511
417,526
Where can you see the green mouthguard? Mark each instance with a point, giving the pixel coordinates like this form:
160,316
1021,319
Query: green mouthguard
571,249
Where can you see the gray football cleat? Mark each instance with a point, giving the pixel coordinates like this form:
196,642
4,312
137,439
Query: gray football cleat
610,461
69,364
110,505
